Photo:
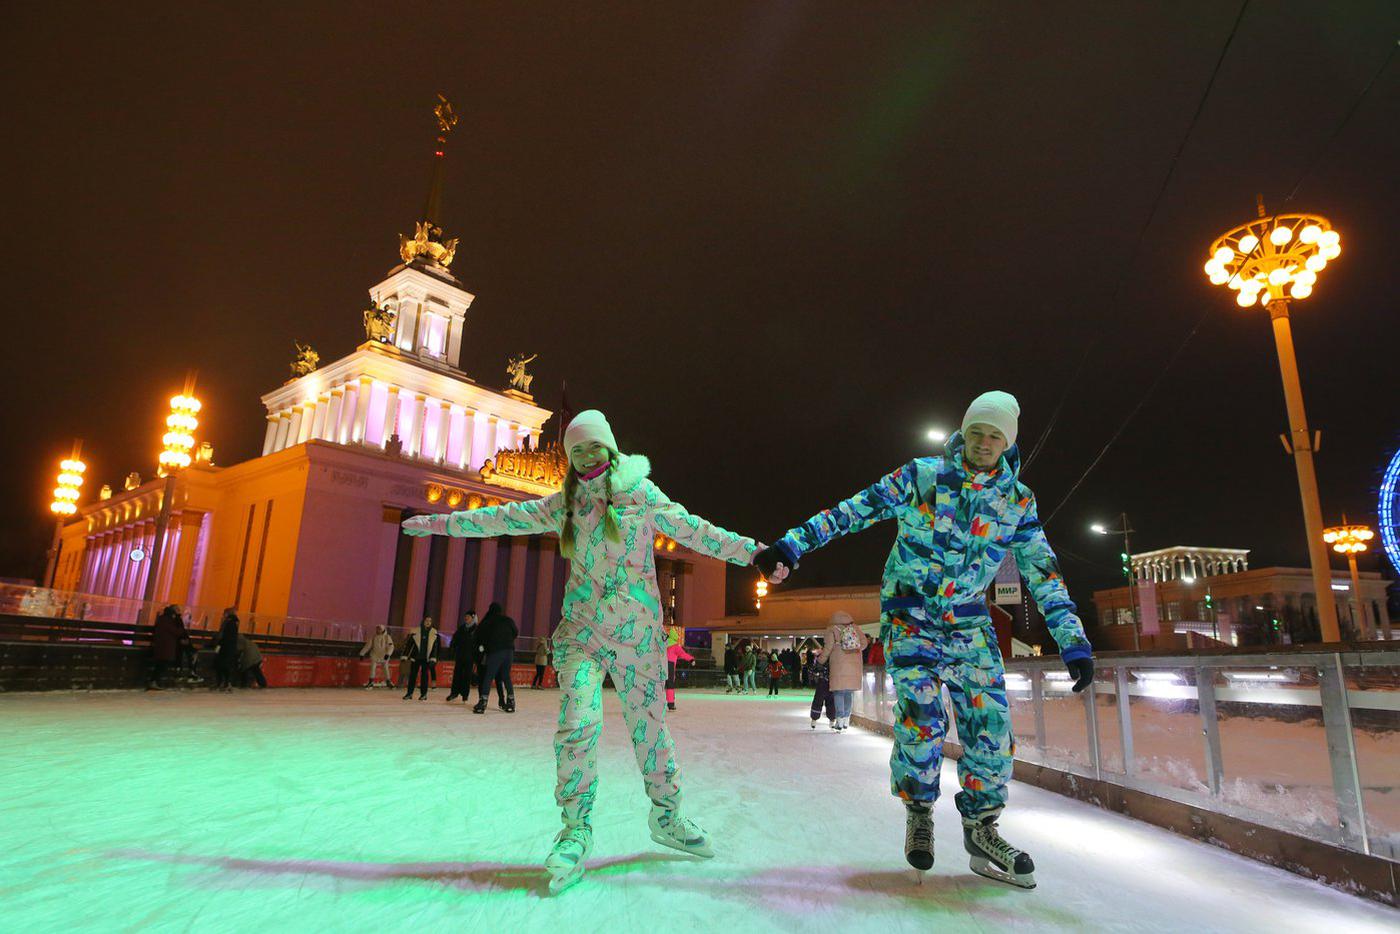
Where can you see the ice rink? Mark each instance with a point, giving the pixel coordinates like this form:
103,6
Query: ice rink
351,810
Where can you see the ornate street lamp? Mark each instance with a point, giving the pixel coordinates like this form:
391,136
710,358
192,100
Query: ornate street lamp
65,503
1268,262
1350,540
760,590
175,457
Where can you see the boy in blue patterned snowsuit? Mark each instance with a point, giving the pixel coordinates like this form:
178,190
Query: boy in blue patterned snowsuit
958,515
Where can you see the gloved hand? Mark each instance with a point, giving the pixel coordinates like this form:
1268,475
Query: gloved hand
772,564
421,526
1082,671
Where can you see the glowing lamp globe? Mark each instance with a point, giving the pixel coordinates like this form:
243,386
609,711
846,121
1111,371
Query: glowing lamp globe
1273,257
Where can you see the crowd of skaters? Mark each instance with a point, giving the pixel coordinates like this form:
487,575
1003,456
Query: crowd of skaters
832,666
482,651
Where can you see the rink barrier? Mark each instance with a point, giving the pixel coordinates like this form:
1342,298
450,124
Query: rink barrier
1345,855
47,654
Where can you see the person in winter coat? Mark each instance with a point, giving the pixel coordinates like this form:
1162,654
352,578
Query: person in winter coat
775,674
250,663
675,651
958,516
841,653
822,701
496,635
607,515
380,648
749,664
541,661
465,653
168,642
421,646
225,645
731,670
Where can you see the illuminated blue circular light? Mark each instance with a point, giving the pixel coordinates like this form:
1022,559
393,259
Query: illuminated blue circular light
1388,511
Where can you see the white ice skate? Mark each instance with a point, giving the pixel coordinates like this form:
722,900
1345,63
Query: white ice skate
565,860
918,838
993,857
670,829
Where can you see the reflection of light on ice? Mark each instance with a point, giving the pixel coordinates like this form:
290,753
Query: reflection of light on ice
1015,681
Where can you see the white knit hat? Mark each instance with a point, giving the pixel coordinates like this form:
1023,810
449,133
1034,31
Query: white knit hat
589,425
996,408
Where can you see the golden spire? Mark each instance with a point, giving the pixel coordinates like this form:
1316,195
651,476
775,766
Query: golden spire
427,243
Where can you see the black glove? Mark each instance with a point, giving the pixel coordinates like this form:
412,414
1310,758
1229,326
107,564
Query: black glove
1082,671
768,559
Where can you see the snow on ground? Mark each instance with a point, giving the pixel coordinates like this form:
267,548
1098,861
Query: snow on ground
351,810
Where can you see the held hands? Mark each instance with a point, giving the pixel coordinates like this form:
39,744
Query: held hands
421,526
1082,671
771,563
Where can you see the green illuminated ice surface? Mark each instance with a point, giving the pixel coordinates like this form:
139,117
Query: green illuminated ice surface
351,810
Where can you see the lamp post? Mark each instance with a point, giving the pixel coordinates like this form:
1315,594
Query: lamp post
65,503
1350,540
178,441
1269,261
1127,557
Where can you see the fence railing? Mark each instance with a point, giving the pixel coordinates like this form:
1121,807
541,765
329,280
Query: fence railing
1307,742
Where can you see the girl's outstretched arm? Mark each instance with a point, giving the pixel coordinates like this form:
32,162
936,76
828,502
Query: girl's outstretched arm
531,517
674,521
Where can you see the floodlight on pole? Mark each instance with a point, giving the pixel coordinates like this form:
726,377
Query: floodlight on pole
1350,541
65,503
174,458
1270,261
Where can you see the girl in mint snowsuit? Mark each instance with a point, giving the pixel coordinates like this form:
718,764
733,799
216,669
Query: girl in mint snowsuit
607,516
956,522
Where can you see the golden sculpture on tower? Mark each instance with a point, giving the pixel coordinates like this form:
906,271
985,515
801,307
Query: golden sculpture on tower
427,242
305,361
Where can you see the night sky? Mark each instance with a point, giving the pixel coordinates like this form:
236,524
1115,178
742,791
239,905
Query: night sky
775,242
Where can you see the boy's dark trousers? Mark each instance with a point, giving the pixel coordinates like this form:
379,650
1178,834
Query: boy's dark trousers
774,681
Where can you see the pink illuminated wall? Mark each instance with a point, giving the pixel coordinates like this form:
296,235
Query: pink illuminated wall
457,421
374,423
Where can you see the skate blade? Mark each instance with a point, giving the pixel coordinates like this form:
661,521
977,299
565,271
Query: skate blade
919,876
565,879
705,853
985,867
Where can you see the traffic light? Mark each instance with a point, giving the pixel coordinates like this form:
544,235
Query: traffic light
1274,621
1127,565
1210,604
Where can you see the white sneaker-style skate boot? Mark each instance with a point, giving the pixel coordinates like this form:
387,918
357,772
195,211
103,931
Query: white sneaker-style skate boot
993,857
918,837
565,861
668,828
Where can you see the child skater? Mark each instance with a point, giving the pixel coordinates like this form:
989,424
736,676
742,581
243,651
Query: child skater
607,515
675,651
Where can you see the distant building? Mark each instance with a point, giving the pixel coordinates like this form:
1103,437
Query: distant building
1187,594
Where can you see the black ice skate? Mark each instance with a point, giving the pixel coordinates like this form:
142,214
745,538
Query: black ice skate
918,837
480,706
509,706
993,857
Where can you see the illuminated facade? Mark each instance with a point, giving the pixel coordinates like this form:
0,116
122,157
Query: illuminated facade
309,531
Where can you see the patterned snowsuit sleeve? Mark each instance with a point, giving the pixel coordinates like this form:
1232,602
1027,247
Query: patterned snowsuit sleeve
674,521
1042,572
531,517
875,503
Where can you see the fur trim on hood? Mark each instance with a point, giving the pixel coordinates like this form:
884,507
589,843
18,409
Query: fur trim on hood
628,471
